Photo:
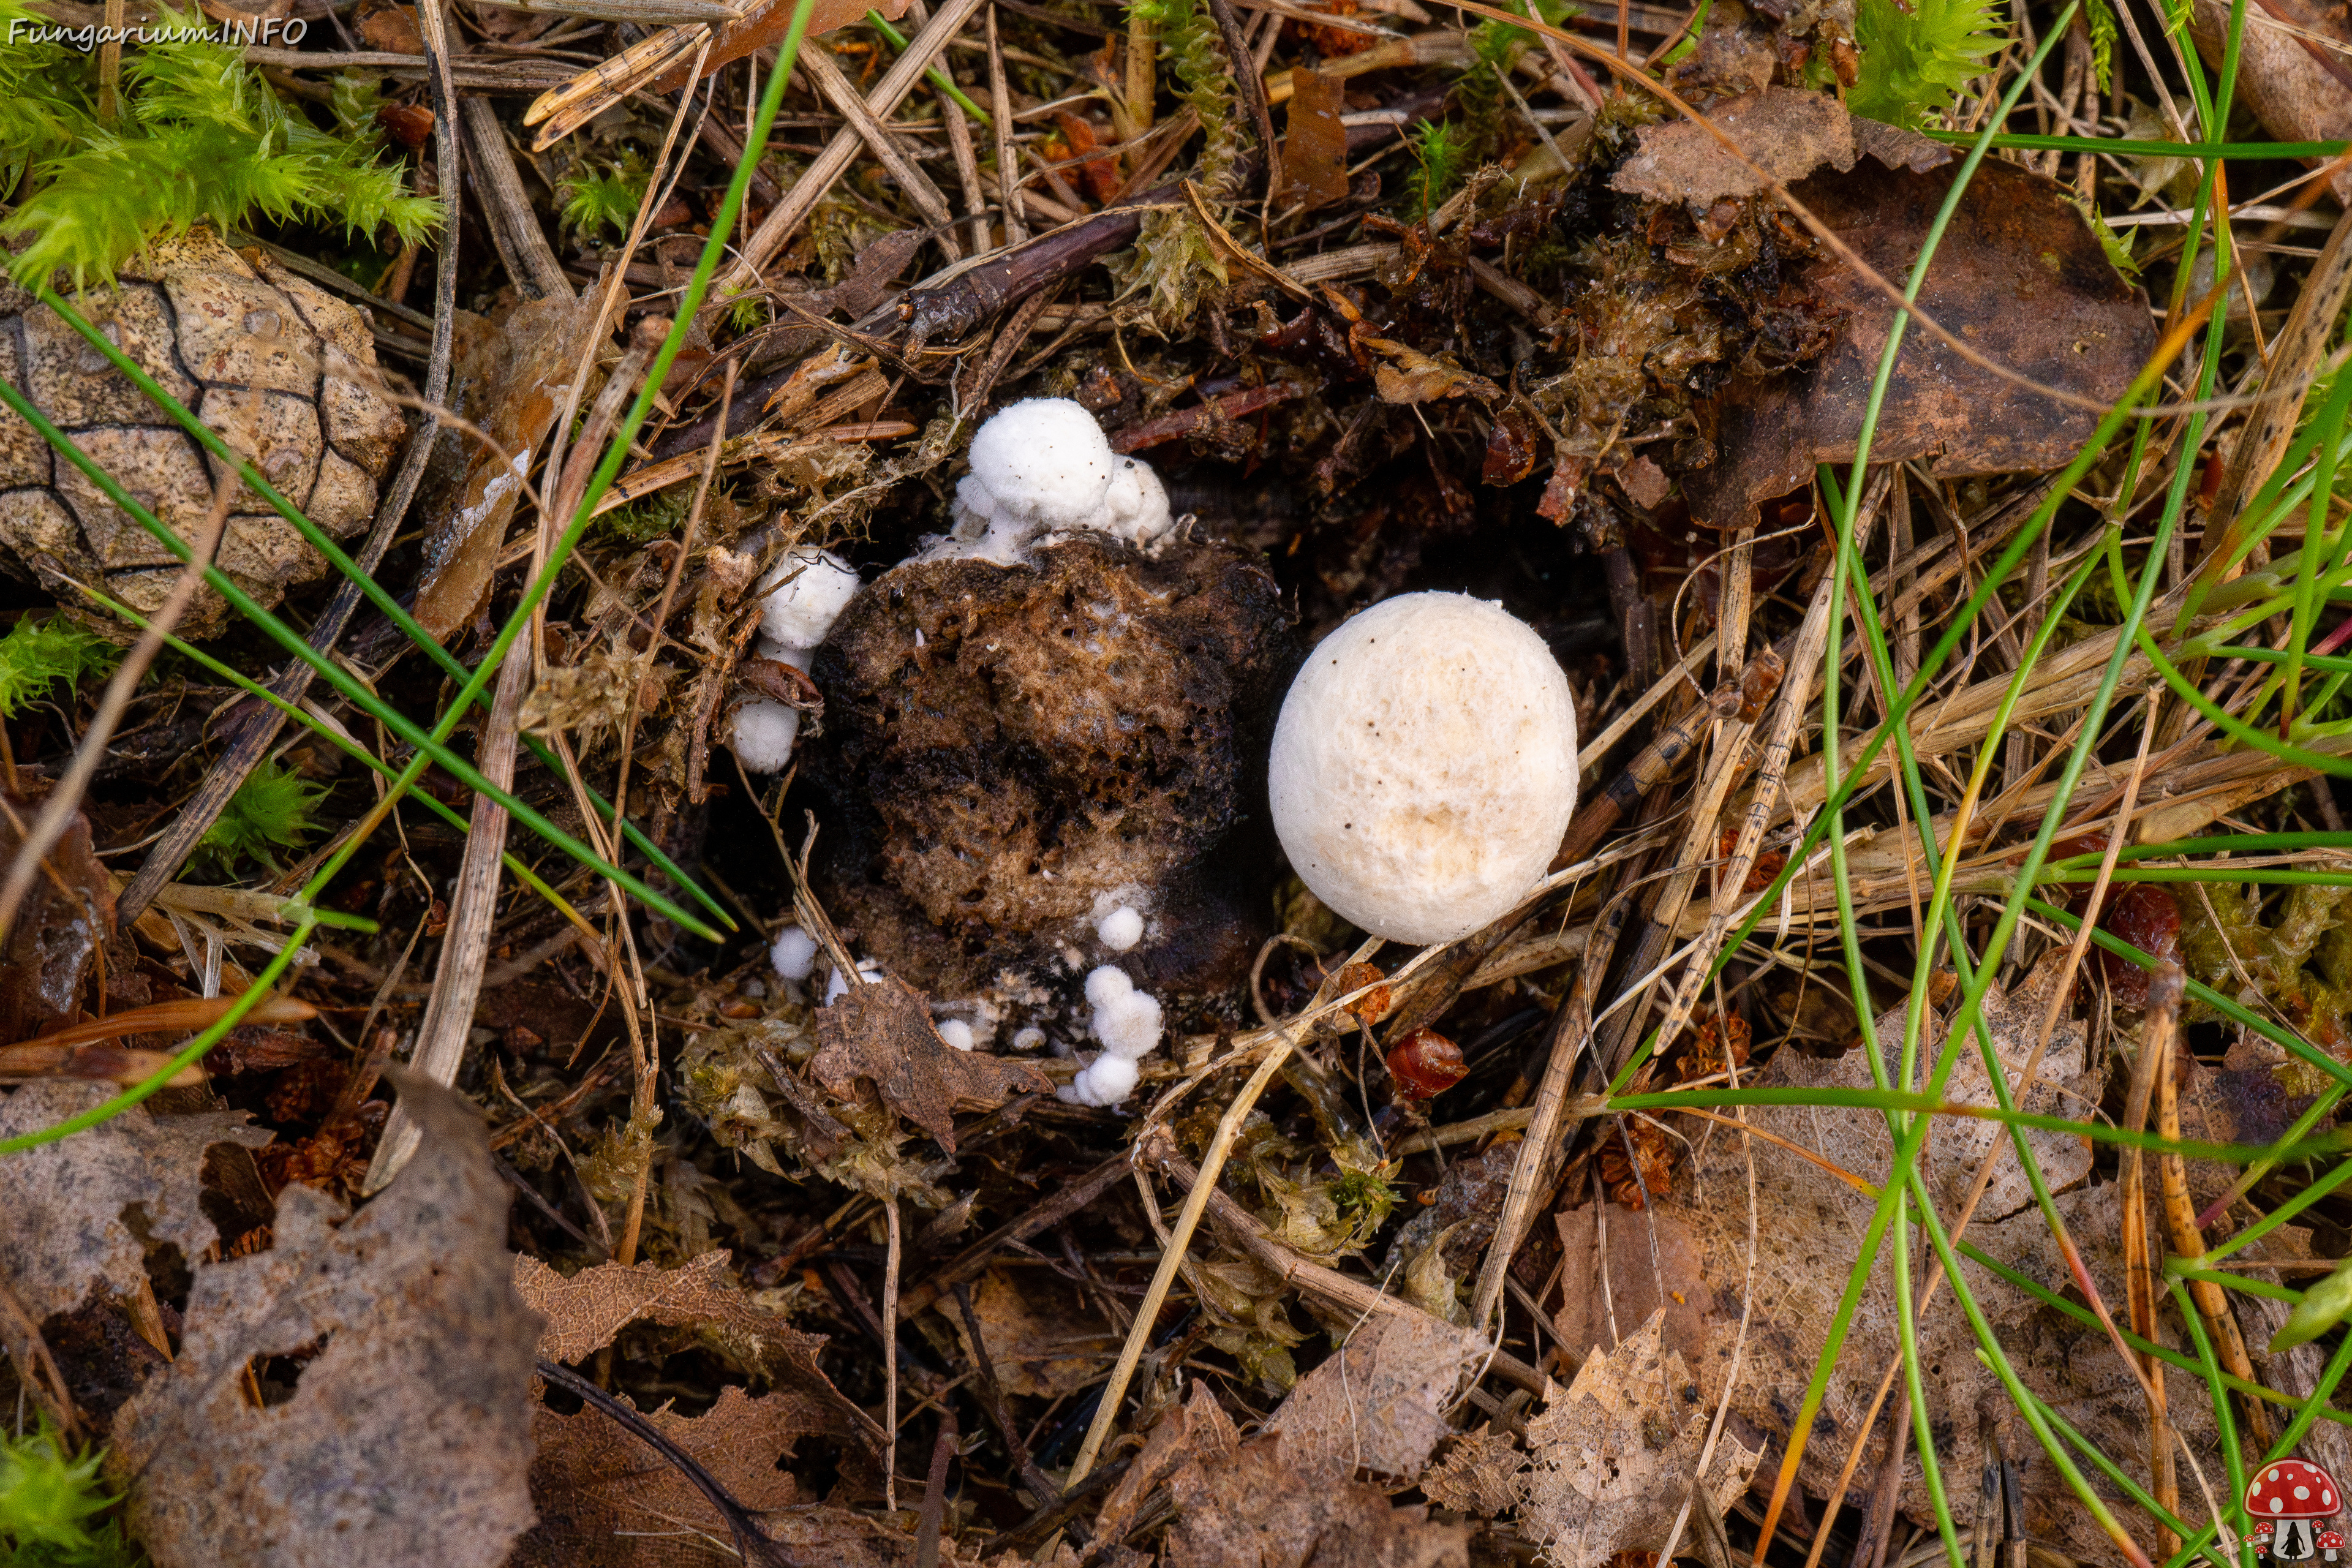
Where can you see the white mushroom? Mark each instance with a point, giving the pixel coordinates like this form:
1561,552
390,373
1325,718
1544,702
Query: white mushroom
763,735
1044,466
956,1033
1424,766
1126,1022
1104,1081
795,955
802,594
1119,929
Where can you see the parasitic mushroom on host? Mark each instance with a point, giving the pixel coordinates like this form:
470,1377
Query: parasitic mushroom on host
1424,766
2290,1494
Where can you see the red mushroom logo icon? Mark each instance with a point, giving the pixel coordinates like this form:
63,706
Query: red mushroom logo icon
2290,1494
2331,1542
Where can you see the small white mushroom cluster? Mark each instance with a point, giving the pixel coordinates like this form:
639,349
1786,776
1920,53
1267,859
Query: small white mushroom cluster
1424,766
803,594
1042,467
1126,1022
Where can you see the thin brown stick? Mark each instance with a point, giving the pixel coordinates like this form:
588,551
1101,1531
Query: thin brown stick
473,914
841,93
514,228
890,1358
2160,1033
2141,1266
1172,1257
1008,168
817,181
1337,1289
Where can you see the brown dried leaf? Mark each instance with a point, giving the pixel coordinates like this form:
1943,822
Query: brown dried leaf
1480,1473
1378,1402
46,951
1810,1227
1633,1274
1030,1346
1613,1457
1416,377
2295,97
607,1500
1787,134
585,1312
528,378
2019,276
883,1031
407,1438
1315,146
66,1201
1253,1503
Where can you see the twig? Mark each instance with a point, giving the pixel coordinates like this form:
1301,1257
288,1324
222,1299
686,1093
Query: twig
973,1260
1000,97
473,914
891,1359
2158,1037
750,1541
1171,1256
817,181
2140,1260
514,228
1334,1289
842,94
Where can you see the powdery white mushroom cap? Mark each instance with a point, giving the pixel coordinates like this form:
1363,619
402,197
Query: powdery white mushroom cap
795,953
1127,1021
802,594
1134,507
956,1033
1119,929
1424,766
763,736
1105,1081
1043,460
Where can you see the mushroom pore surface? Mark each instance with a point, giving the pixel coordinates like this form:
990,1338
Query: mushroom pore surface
1424,766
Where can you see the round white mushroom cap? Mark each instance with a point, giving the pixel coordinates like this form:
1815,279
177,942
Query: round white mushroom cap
1043,460
1424,766
1105,1081
1119,929
763,735
956,1033
795,955
1127,1021
802,594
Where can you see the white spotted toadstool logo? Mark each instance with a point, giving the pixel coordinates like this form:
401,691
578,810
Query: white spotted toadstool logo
2293,1503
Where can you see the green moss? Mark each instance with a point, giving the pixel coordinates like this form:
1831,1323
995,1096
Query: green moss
37,654
202,139
605,198
271,811
1917,58
49,1499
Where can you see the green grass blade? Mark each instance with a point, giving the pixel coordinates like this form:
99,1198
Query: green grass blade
429,748
326,544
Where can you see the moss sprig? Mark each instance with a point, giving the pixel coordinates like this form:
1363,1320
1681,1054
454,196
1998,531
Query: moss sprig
205,140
